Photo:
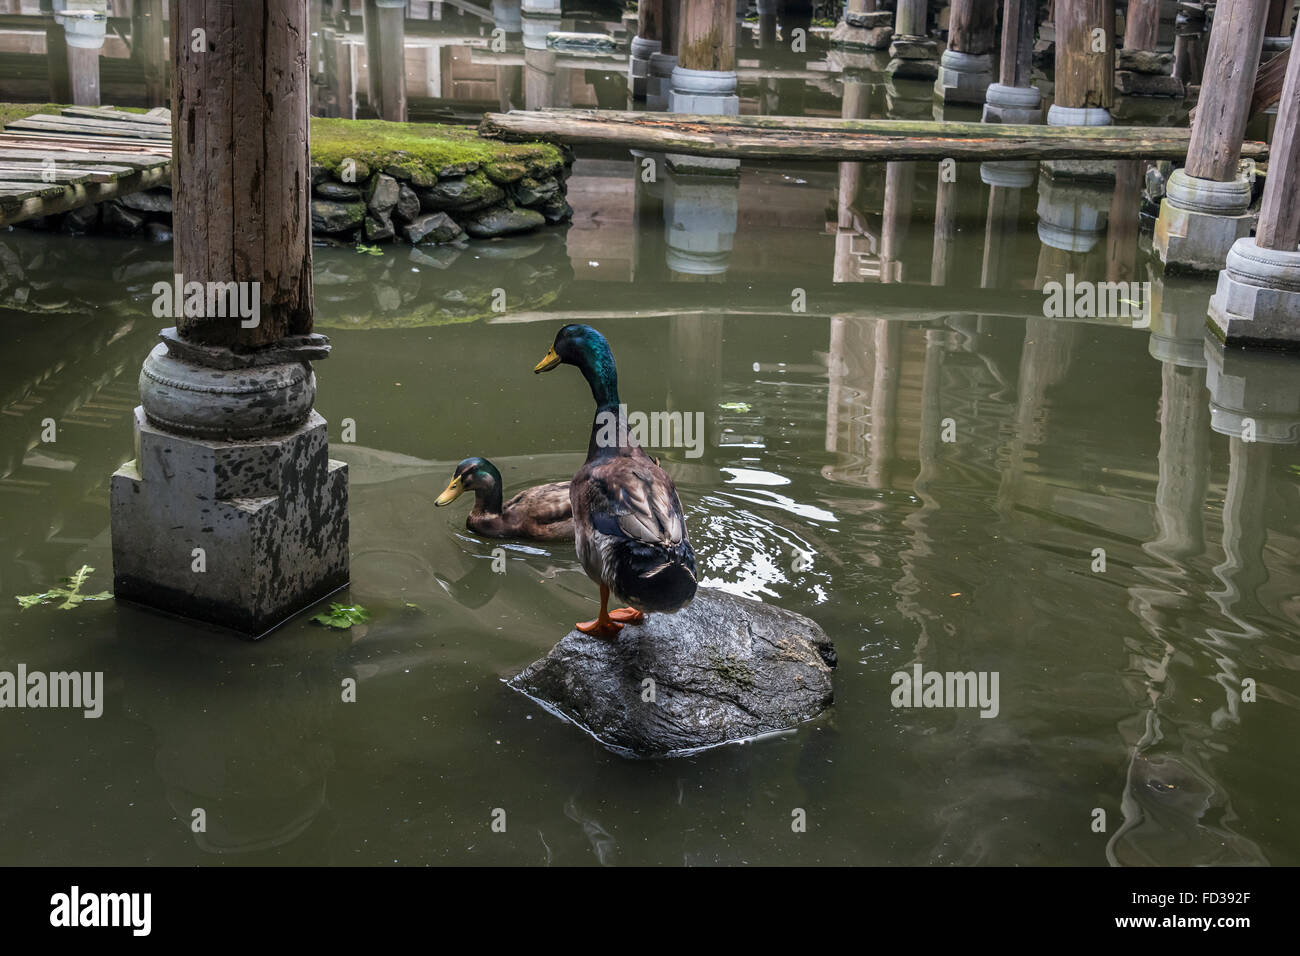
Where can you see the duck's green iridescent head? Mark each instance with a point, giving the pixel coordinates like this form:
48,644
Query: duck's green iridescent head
473,474
583,346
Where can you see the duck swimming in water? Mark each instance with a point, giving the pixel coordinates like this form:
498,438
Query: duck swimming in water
542,512
627,520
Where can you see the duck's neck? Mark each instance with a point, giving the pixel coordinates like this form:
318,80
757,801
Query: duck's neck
487,501
602,376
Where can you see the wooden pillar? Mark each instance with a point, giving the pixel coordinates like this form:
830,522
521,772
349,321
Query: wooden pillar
148,27
1019,18
1279,213
972,26
648,40
1085,54
1224,107
1278,23
1189,45
241,167
706,38
56,55
911,18
392,60
83,74
1142,25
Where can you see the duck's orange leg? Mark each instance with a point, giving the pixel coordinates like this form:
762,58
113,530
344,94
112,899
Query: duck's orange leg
604,625
627,615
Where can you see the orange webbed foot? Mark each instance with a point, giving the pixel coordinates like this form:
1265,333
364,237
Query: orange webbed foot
606,628
627,615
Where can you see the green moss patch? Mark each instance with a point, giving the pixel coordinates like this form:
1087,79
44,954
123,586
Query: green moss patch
421,152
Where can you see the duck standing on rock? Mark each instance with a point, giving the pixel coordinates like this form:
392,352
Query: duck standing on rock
627,520
542,512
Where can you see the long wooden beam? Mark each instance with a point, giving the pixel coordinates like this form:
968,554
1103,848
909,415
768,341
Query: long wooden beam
833,139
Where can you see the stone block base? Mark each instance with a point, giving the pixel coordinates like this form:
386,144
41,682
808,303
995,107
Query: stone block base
852,37
1129,83
963,77
1199,222
269,514
1257,302
915,58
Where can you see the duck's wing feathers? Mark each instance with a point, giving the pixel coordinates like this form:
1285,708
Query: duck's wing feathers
640,503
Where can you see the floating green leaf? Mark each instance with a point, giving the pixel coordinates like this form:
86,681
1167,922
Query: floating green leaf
369,250
68,591
734,406
342,616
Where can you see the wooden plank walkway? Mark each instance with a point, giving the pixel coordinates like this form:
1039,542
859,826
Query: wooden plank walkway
839,140
51,164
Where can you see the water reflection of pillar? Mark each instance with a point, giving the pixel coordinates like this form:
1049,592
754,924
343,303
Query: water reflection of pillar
1071,221
695,379
507,16
1122,225
84,31
767,11
888,353
147,30
896,218
544,85
855,104
862,399
1044,362
649,250
700,215
1006,182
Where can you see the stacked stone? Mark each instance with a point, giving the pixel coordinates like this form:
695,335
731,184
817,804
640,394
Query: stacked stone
418,206
1146,73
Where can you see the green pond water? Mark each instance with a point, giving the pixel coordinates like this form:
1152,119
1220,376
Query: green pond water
825,436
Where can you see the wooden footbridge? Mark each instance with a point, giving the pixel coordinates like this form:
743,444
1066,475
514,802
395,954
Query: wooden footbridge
51,164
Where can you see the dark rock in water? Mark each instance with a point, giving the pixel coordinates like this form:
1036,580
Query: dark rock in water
151,200
341,192
328,216
530,192
378,228
408,204
557,210
78,221
119,221
433,227
502,221
724,669
158,232
465,193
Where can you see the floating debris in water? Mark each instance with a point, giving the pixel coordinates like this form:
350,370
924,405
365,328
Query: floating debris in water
342,616
69,591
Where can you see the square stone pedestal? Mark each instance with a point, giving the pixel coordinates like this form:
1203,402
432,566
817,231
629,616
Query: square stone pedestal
1190,240
270,516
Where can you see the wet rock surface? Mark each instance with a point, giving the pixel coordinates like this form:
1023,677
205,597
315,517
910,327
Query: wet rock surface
723,669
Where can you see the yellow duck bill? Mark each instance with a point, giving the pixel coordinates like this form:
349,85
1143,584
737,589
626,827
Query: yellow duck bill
548,362
453,491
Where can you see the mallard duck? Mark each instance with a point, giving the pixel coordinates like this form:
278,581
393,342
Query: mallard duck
542,512
627,520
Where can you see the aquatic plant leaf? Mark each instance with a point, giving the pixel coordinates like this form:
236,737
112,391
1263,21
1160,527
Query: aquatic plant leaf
342,616
69,592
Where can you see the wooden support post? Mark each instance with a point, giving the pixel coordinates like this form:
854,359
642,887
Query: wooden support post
240,154
392,60
1085,62
704,80
1278,23
911,18
1230,68
1142,25
148,28
1279,213
966,67
1189,45
1014,98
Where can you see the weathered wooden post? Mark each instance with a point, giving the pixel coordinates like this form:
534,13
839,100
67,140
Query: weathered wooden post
1141,70
1085,63
1257,302
1189,43
392,59
1204,209
704,80
966,67
659,82
231,511
1277,27
56,54
148,28
84,30
864,27
1014,98
648,40
914,54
